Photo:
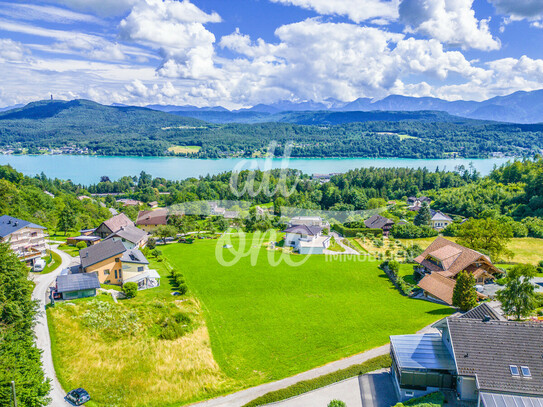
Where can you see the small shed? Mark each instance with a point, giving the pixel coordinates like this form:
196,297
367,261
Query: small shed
79,285
89,240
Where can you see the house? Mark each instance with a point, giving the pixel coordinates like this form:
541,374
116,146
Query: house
439,220
153,204
49,193
478,358
422,199
79,285
307,239
309,221
131,236
379,222
115,264
25,238
129,202
151,220
441,262
112,225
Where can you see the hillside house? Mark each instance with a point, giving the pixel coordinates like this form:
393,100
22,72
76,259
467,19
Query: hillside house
309,221
379,222
129,202
307,239
478,358
441,262
115,264
439,220
151,220
131,236
112,225
25,238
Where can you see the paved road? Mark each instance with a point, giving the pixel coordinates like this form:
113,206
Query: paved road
43,341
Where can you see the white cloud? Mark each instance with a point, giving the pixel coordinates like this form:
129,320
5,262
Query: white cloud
356,10
450,21
45,13
519,9
103,8
11,51
177,30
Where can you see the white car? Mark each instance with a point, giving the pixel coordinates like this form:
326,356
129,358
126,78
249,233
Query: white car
39,265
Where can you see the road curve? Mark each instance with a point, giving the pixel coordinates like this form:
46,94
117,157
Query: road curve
41,330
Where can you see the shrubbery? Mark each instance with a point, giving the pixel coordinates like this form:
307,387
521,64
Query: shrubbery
354,232
337,403
430,400
410,231
130,289
81,245
179,281
174,326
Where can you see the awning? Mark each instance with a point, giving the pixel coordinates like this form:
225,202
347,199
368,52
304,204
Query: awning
426,351
141,276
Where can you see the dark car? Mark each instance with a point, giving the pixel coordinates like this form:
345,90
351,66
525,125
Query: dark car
78,396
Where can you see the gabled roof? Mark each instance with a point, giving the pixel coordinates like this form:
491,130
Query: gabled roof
482,311
304,230
77,282
129,233
9,224
454,257
100,252
134,256
438,215
487,349
118,221
157,217
439,286
378,222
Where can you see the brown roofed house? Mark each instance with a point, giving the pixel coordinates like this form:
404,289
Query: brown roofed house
150,220
443,260
112,225
379,222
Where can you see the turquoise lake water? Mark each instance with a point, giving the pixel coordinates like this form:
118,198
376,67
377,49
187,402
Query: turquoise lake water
88,169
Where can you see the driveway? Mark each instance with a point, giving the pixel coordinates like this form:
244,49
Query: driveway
338,239
370,390
41,330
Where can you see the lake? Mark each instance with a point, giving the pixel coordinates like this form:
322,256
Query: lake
84,169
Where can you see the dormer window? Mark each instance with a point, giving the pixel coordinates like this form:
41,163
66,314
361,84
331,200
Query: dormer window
514,370
526,371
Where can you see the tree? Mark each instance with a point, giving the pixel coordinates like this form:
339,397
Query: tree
66,219
81,245
165,231
424,216
486,235
130,289
518,297
464,294
337,403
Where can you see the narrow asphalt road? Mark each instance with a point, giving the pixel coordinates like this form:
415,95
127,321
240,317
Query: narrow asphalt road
41,330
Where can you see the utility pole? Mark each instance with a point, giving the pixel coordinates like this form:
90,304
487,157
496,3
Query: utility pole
14,394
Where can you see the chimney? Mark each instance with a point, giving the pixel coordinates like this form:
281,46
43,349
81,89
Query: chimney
486,318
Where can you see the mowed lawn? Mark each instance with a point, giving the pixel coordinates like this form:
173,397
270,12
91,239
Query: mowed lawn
269,322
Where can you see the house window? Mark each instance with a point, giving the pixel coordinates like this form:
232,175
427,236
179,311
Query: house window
117,259
106,272
116,274
409,393
514,370
526,371
140,268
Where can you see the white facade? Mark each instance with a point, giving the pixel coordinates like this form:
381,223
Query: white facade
28,243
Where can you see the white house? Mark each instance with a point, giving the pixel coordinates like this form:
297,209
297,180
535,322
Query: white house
307,239
309,221
26,239
439,220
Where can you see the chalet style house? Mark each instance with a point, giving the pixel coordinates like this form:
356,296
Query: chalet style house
307,239
113,263
441,262
120,227
477,358
151,220
26,239
439,220
112,225
379,222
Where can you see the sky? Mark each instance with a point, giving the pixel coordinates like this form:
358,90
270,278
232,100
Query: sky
238,53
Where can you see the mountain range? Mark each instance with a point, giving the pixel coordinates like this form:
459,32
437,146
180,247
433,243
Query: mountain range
518,107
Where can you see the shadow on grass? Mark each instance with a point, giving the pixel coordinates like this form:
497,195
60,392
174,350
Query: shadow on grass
441,311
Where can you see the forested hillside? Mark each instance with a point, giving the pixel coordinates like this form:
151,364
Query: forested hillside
108,130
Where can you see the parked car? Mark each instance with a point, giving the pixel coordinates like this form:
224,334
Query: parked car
78,396
39,265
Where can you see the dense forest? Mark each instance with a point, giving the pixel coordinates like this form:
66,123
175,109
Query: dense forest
108,130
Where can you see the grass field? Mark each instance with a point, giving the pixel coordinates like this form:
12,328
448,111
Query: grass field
135,368
269,322
52,260
184,149
71,250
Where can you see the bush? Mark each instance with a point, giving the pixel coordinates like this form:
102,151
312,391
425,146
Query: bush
156,253
430,400
174,327
179,280
81,245
337,403
130,289
151,243
355,232
410,231
394,266
182,288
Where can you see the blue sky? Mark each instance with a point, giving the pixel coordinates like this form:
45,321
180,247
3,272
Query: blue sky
238,53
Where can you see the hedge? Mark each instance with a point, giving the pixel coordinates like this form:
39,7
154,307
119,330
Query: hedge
353,232
379,362
430,400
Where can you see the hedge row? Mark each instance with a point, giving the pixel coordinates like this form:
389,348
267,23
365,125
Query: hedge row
179,282
354,232
379,362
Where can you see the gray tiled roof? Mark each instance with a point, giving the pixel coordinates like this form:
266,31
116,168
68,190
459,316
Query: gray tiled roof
101,251
378,222
487,349
134,256
129,233
9,224
304,229
482,311
77,282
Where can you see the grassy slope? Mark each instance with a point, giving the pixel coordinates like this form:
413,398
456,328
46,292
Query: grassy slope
52,261
270,322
